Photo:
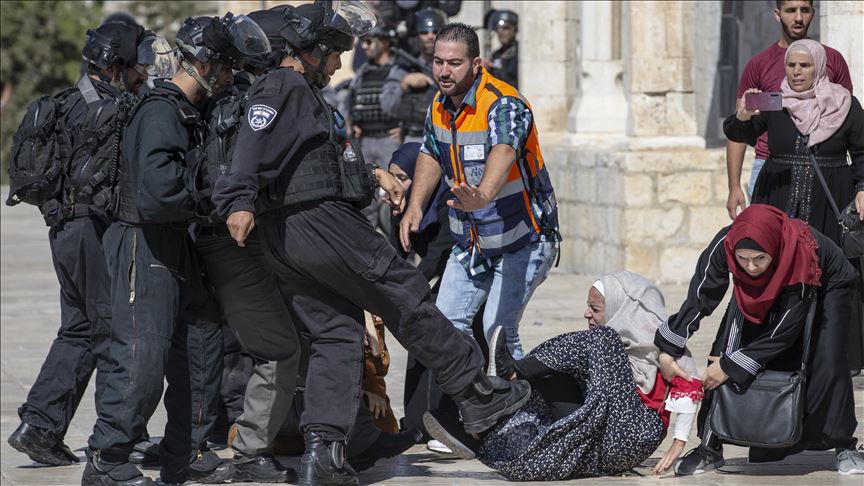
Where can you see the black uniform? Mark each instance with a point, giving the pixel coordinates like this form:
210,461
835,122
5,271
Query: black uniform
747,348
85,302
505,64
329,258
165,325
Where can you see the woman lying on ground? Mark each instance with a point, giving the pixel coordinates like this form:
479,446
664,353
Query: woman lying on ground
778,266
599,405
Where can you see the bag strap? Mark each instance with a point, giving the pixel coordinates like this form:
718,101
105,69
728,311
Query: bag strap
828,195
808,333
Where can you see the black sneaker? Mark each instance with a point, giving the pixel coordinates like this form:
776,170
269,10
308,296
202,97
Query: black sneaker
501,362
261,469
41,445
489,399
451,433
102,473
386,445
206,468
324,463
699,460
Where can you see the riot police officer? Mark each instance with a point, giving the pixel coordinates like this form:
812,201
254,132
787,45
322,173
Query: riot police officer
113,67
305,190
163,327
409,88
504,62
371,126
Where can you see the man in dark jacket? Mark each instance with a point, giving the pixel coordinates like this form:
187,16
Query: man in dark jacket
164,324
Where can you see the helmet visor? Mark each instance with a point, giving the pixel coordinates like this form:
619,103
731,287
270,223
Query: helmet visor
352,17
248,37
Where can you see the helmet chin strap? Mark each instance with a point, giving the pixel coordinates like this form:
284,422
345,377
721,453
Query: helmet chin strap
315,75
206,84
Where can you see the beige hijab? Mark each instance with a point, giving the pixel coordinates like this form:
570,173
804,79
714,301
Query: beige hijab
635,308
819,111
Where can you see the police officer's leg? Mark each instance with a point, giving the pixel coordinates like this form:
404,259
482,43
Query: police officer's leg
193,387
61,382
331,243
145,302
255,308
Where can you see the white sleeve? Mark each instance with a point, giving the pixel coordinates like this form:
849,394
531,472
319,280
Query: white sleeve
683,424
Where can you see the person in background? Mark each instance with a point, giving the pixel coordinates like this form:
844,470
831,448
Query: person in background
504,61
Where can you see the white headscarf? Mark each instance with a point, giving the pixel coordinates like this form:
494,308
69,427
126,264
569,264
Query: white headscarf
635,308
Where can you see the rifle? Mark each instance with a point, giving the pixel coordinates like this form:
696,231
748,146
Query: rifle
412,61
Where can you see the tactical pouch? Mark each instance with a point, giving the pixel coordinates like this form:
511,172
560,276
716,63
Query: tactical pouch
356,178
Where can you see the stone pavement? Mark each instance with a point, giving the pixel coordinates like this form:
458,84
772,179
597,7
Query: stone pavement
30,312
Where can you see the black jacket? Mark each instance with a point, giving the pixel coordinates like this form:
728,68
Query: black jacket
156,145
283,114
785,321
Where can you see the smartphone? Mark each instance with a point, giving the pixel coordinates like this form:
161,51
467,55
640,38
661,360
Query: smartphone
770,101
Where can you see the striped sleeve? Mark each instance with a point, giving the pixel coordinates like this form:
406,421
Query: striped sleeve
707,288
430,143
509,123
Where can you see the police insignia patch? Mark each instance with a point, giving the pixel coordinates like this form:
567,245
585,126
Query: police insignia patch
261,116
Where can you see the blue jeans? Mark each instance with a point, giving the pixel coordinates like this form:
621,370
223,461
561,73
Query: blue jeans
754,174
506,289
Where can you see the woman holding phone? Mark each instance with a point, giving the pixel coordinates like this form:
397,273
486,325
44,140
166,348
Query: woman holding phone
816,115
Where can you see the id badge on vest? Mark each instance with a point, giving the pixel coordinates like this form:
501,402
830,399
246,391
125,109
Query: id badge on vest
474,157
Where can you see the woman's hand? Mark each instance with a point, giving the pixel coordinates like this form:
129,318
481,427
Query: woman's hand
714,375
743,114
377,405
859,205
669,368
668,460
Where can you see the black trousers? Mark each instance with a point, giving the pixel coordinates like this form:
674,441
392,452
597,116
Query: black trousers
829,415
81,344
165,326
334,266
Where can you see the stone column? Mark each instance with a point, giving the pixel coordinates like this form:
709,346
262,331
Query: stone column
842,27
600,107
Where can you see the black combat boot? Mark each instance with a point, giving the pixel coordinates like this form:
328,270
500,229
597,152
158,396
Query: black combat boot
145,452
204,467
324,463
105,472
489,399
41,445
261,469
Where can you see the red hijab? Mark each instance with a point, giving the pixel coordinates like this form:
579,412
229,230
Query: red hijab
793,251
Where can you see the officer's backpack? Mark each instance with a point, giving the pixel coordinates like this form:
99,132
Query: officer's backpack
94,163
39,152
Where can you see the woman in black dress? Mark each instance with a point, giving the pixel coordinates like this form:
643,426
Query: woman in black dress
817,115
779,265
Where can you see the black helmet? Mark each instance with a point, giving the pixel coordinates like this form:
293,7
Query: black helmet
227,40
271,22
497,18
382,31
322,28
429,20
112,43
121,18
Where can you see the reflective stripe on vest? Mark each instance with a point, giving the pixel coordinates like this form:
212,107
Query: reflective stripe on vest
513,218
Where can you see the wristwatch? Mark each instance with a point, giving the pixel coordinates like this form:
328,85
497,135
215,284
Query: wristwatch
372,175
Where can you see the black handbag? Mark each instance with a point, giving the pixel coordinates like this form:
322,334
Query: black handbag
851,228
770,412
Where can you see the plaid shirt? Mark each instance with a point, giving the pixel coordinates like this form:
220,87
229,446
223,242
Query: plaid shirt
509,121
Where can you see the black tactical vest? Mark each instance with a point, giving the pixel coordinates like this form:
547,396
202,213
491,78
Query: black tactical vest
125,208
413,108
321,172
366,110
